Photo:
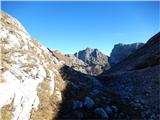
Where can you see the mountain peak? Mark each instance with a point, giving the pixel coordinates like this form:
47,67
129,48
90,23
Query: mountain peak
121,51
95,59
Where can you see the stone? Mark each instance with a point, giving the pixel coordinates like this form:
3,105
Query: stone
88,102
115,109
108,110
77,104
101,112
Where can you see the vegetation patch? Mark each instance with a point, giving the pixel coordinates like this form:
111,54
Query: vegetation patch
7,111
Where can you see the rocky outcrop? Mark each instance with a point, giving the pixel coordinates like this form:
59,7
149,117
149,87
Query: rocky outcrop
89,61
122,51
136,78
70,60
29,75
96,61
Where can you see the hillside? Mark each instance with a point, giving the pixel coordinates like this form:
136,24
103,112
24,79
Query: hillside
29,75
136,78
38,84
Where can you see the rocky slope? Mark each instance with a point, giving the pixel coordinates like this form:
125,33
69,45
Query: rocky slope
96,61
137,78
37,84
71,61
30,84
122,51
86,97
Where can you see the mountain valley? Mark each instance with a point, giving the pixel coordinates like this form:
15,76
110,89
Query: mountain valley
38,83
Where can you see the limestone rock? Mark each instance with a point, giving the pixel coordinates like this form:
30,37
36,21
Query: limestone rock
122,51
27,71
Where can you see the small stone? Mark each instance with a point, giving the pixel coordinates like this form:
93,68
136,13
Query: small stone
115,109
94,91
77,104
101,112
88,102
108,110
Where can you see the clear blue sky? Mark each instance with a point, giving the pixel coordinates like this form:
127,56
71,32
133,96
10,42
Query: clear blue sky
73,26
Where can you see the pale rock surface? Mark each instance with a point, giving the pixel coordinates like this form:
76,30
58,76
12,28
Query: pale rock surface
24,65
95,60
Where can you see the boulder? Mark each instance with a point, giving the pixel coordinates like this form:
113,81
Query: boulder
101,112
88,102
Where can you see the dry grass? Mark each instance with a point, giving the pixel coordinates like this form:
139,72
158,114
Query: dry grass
53,66
7,111
35,43
3,21
44,111
1,80
62,57
49,104
3,41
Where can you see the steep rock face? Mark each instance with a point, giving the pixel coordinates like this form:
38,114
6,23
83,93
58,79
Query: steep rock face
122,51
95,60
92,56
137,78
29,77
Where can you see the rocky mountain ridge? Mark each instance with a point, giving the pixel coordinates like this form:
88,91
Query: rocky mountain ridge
96,61
37,83
122,51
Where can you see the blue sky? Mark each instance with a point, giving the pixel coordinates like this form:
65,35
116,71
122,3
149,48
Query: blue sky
73,26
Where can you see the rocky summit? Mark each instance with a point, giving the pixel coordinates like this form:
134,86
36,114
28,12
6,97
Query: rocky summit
122,51
96,61
38,83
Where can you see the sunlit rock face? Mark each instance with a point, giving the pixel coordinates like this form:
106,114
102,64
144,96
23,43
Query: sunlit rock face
122,51
96,61
28,72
